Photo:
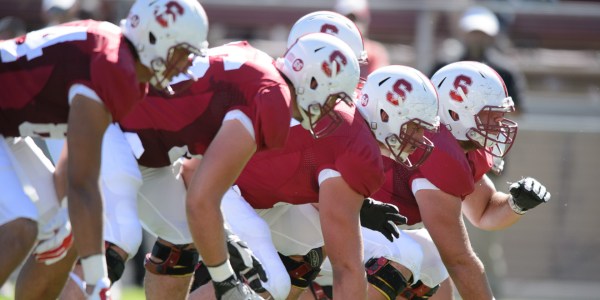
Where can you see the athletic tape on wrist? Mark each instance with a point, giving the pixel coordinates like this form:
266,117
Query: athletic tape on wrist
221,272
94,268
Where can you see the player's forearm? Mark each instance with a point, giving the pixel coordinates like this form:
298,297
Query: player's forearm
85,213
498,214
468,275
350,283
345,253
206,225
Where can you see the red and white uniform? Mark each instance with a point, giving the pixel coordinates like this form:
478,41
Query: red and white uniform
41,72
270,207
235,81
294,172
448,169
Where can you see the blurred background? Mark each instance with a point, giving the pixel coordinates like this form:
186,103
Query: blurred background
550,48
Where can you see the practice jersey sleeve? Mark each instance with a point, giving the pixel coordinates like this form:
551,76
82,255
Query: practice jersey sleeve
447,167
361,163
112,81
273,114
481,162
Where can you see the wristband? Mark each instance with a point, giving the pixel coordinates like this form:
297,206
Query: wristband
221,272
94,268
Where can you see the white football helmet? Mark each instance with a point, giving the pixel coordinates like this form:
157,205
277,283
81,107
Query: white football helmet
473,103
324,72
158,27
392,98
334,24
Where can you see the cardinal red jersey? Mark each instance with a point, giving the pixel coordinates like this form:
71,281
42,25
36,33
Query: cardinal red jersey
235,76
38,69
448,168
291,174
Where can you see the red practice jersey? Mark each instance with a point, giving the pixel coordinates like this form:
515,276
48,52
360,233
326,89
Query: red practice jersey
448,168
235,76
38,69
290,174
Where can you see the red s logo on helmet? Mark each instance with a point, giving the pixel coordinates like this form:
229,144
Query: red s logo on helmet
398,91
172,9
329,28
338,58
462,82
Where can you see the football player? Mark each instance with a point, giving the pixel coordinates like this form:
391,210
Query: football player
473,104
242,101
83,74
267,208
400,104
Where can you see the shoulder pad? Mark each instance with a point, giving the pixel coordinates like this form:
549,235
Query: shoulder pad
447,167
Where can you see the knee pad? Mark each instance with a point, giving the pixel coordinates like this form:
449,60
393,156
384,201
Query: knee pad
114,262
302,273
176,261
419,291
385,278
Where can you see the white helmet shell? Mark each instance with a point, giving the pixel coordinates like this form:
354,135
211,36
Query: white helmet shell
467,88
323,70
158,27
394,96
331,23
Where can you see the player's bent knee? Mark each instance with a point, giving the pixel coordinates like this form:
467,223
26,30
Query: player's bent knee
302,273
419,291
172,260
115,262
385,278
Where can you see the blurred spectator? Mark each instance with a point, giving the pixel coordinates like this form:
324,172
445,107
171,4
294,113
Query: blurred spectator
480,29
358,11
11,27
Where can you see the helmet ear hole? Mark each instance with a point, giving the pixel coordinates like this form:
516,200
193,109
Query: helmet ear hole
384,116
313,84
151,38
454,115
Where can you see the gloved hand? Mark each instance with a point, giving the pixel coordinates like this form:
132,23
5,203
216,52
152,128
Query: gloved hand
233,289
526,194
60,239
101,290
382,217
244,262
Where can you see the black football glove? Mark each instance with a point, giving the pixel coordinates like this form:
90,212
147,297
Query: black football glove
526,194
244,263
382,217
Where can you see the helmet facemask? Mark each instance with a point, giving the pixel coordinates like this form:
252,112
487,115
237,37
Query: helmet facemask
408,141
493,132
321,120
179,59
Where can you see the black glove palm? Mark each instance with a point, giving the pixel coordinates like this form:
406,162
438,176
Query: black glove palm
527,193
382,217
